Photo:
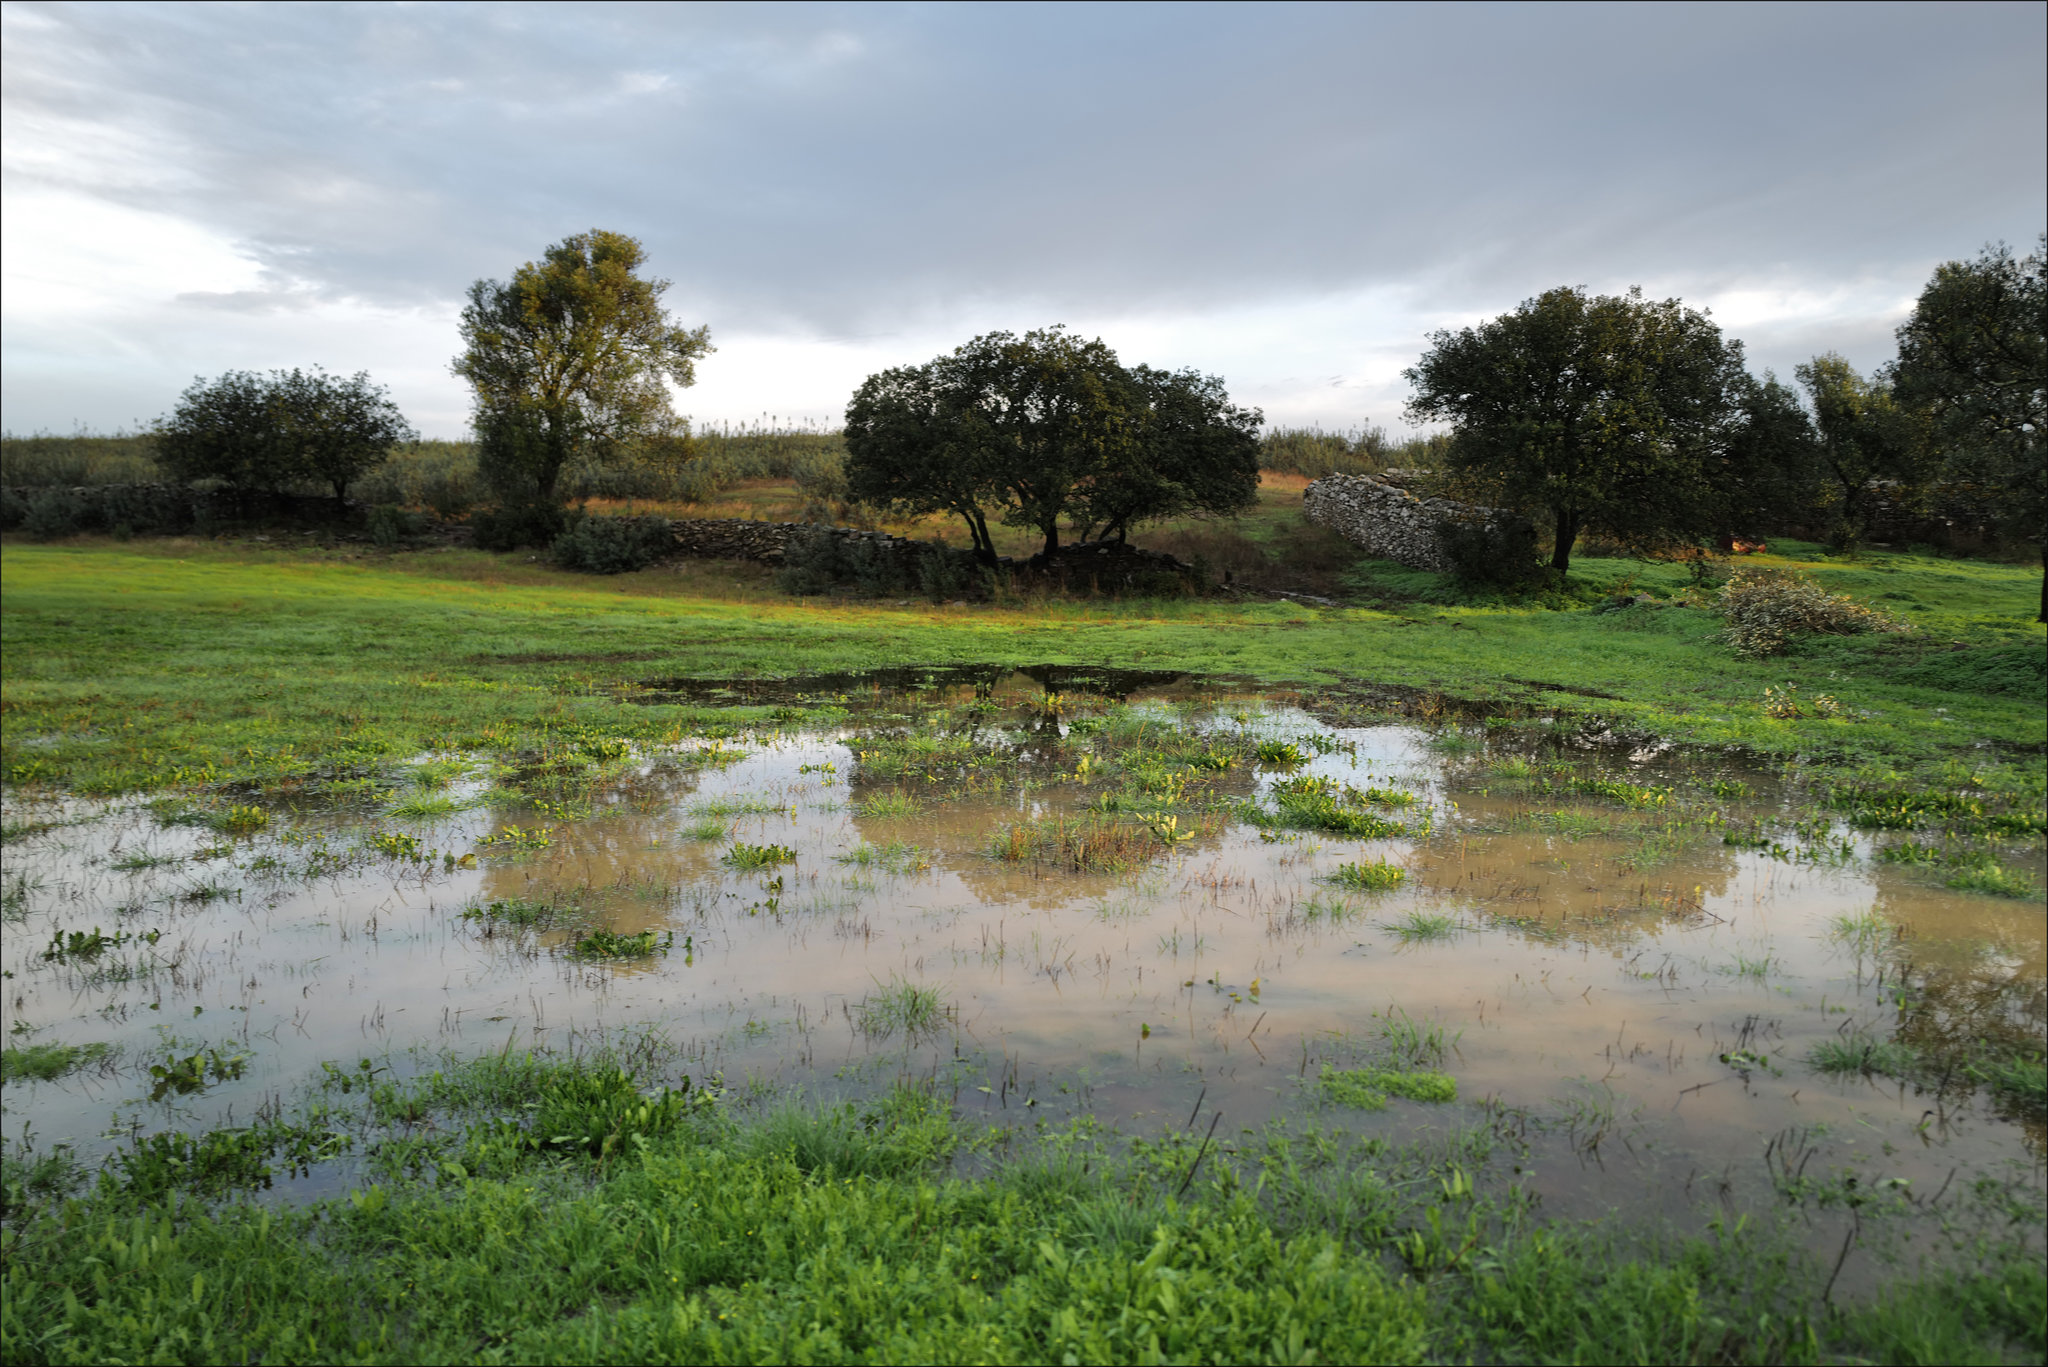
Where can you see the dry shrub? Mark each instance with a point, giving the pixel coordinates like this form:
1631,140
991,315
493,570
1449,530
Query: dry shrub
1767,608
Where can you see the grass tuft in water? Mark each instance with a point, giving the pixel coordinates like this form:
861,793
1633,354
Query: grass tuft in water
47,1062
745,856
604,944
1419,926
1862,1054
710,828
904,1007
1369,1088
895,803
1377,876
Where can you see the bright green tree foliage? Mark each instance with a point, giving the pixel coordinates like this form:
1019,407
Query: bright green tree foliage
1608,411
1974,359
289,427
1046,427
571,359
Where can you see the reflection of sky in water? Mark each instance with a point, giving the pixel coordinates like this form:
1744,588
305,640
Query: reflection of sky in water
1620,982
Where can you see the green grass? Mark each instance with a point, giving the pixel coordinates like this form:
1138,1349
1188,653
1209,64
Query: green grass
1862,1054
745,856
153,664
1369,1088
47,1062
1377,876
550,1209
904,1008
1422,926
1996,880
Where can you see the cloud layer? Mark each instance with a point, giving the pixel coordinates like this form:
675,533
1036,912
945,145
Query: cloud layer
1290,196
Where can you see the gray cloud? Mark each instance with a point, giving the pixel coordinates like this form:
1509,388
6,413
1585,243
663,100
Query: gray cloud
856,172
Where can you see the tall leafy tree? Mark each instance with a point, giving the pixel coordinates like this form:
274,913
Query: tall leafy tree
1045,428
1864,437
273,431
1974,359
571,359
1604,410
1771,462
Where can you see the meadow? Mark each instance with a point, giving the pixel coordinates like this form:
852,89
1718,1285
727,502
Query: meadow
1090,1081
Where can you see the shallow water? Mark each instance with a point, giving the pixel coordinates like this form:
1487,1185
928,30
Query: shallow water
1588,975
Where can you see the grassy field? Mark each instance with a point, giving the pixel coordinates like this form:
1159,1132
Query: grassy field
132,667
611,1224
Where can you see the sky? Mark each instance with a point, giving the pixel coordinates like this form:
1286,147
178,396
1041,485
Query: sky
1291,197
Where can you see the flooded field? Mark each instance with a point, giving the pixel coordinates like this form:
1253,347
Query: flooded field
1161,903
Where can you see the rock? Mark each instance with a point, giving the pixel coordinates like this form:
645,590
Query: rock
1377,515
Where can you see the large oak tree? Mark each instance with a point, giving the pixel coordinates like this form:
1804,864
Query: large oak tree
569,359
1608,411
1042,428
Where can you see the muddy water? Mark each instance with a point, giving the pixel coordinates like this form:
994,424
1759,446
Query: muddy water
1589,978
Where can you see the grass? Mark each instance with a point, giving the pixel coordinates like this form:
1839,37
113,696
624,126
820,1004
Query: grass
894,803
48,1062
151,665
745,856
903,1008
1369,1088
1422,926
560,1209
1862,1054
1377,876
605,944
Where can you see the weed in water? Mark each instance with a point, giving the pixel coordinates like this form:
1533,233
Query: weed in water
139,862
514,911
1414,1045
1281,752
194,1072
46,1062
710,828
1996,880
1864,931
1419,926
1377,876
1369,1088
513,838
745,856
422,808
903,1006
894,803
603,944
891,856
1750,966
1861,1054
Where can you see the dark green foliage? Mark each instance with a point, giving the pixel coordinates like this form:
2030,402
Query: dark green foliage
943,575
1864,436
816,561
517,524
569,361
50,513
270,432
390,525
1609,411
1044,428
1501,552
612,545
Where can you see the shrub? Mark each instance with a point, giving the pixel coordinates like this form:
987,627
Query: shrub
390,524
613,545
1501,551
52,513
943,575
1768,608
515,525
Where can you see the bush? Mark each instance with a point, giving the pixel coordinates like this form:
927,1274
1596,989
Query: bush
1767,608
1501,552
391,525
52,513
944,575
612,545
516,525
812,562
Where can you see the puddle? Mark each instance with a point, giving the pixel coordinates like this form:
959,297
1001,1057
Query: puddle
1097,874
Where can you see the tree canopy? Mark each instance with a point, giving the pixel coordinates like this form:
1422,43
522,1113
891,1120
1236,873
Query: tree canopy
289,427
1609,411
569,359
1974,359
1864,436
1046,427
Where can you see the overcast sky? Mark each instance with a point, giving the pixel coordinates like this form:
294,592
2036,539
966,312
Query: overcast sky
1290,197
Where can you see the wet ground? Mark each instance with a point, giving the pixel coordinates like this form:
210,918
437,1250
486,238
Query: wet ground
1051,894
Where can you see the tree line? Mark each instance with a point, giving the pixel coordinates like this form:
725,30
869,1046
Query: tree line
1631,418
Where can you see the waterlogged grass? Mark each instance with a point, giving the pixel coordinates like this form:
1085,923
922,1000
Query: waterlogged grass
48,1062
1377,876
1312,803
745,856
1369,1088
578,1210
906,1008
605,944
1994,879
1422,927
1862,1054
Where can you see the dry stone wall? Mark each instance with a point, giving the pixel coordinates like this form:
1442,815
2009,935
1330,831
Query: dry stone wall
1380,516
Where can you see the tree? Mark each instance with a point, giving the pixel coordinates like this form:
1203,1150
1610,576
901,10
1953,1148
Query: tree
571,359
290,427
1864,437
1973,358
1045,427
1607,411
1771,462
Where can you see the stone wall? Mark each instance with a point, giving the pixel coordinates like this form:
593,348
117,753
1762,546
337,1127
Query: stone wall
1381,517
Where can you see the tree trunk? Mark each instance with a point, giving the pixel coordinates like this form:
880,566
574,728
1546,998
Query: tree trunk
2044,583
1052,537
1561,548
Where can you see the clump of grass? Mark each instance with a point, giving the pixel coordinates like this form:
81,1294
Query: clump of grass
425,807
1281,752
906,1007
1745,966
1418,926
1862,1054
724,808
1864,932
1321,804
48,1062
1995,880
1414,1045
1377,876
1631,794
1092,845
1369,1088
512,837
895,803
519,912
604,944
136,863
745,856
709,828
1324,908
892,856
2022,1081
